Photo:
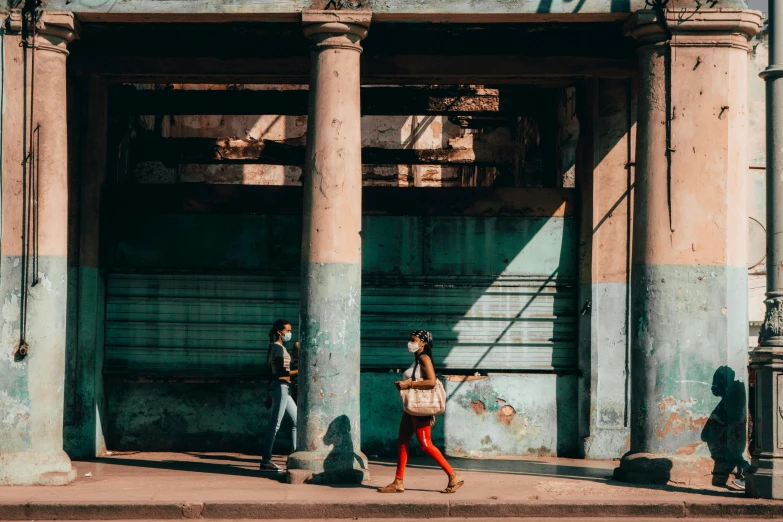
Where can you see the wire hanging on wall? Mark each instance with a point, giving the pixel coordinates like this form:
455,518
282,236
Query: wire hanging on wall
31,13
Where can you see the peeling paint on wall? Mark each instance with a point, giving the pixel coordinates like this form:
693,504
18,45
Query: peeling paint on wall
677,417
14,416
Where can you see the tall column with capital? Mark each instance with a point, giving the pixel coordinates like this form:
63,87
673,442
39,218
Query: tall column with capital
766,479
33,266
328,433
689,275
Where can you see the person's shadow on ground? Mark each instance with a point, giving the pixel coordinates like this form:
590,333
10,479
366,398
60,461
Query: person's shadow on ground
726,430
343,465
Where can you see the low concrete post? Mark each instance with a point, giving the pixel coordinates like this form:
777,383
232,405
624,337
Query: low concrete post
689,277
328,428
766,480
31,388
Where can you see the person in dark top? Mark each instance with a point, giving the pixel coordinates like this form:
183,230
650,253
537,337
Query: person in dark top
280,390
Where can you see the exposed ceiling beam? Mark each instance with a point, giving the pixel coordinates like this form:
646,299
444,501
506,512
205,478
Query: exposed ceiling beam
175,151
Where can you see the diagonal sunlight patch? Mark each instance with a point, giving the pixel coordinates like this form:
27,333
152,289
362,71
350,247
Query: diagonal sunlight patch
525,317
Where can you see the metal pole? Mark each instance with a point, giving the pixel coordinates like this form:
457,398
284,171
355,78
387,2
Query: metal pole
765,479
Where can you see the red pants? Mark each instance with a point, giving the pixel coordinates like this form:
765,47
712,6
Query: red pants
409,425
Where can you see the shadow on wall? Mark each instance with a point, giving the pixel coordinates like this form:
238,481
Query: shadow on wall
726,430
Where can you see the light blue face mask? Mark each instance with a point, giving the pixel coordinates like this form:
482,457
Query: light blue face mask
287,337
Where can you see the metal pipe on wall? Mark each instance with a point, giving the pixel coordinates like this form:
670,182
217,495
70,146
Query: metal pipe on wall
765,479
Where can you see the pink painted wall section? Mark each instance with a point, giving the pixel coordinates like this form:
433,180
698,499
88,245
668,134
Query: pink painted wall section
12,121
709,165
331,233
50,118
612,181
49,130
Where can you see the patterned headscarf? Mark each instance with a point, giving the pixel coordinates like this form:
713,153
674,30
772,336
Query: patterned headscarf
425,336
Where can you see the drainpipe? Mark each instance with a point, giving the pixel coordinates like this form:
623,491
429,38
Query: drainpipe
766,478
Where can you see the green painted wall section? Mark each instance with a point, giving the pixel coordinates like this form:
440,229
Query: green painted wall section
329,436
230,416
690,360
84,412
501,414
605,355
14,394
207,242
189,416
405,245
498,293
31,388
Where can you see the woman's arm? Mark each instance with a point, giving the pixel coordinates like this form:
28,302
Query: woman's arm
430,381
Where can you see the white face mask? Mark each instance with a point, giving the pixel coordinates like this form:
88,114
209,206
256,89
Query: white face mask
413,347
287,336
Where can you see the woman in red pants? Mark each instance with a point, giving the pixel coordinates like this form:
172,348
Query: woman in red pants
420,375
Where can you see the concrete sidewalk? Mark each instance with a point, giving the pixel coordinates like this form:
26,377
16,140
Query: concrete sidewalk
229,486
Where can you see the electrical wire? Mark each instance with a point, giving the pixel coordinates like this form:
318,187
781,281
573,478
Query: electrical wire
23,261
29,166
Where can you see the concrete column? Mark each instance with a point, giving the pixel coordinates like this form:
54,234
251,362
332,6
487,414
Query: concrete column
689,279
605,179
766,481
31,387
328,436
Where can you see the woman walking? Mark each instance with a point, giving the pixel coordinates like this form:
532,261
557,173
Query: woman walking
280,390
420,375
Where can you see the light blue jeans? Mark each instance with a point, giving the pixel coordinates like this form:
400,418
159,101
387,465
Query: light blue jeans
282,403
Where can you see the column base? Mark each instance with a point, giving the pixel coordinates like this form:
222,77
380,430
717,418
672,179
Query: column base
29,469
605,443
766,481
650,468
311,467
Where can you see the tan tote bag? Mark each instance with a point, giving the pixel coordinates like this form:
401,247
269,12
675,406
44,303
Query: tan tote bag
424,403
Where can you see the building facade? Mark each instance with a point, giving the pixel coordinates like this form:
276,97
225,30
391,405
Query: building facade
557,190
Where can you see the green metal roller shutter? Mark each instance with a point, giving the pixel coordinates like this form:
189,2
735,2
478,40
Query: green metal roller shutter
191,324
498,293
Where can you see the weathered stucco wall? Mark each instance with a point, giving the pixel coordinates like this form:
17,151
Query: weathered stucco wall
689,333
606,179
33,264
519,414
501,414
495,415
413,10
188,416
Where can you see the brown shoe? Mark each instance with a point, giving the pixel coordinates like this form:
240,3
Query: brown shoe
394,487
455,482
